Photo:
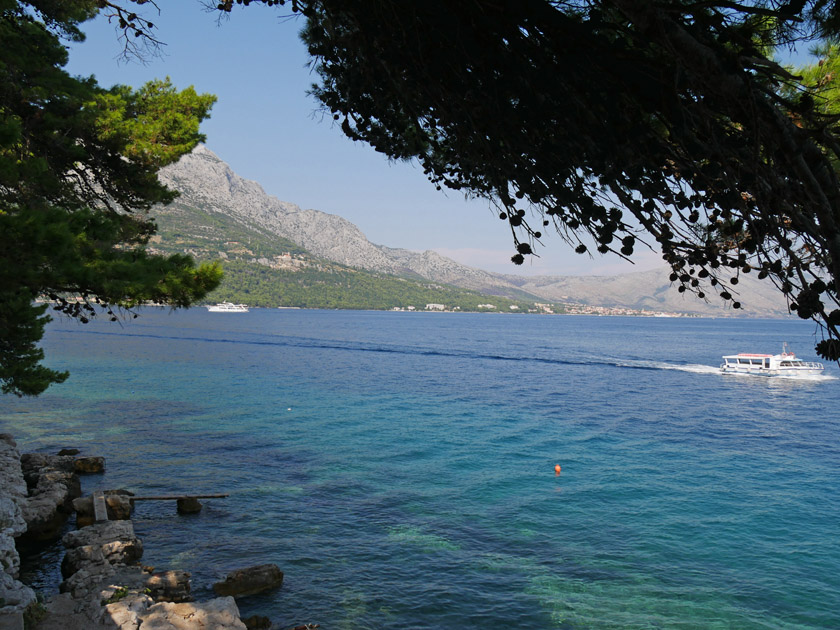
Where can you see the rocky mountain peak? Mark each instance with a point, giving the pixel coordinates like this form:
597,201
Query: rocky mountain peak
205,181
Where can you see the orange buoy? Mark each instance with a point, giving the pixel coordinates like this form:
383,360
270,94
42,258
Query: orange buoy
557,469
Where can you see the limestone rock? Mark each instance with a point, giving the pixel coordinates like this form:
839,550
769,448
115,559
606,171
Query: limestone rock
47,508
127,613
11,620
99,533
89,465
96,553
86,580
122,551
169,586
12,496
32,463
62,615
94,584
11,525
206,182
250,580
79,557
52,486
117,502
113,553
220,613
12,483
14,596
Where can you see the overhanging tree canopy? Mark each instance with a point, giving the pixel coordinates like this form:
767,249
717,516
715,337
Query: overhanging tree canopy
78,173
619,121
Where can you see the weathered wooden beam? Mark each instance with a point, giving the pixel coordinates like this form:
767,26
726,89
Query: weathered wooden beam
173,497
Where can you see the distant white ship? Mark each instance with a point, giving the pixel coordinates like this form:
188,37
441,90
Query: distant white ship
228,307
784,364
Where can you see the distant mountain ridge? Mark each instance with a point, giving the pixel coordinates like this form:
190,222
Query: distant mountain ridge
207,182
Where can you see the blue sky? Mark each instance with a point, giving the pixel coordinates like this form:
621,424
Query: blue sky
269,130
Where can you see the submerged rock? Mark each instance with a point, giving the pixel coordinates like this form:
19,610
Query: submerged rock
105,587
257,622
250,580
189,505
89,465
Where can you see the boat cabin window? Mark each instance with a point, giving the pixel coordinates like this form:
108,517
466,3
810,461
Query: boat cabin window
786,364
767,363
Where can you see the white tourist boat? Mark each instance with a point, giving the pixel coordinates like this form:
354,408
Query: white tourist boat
228,307
784,364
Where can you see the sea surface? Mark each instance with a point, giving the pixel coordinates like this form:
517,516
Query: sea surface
400,467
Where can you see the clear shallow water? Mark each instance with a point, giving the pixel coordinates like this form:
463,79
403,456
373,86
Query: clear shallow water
399,467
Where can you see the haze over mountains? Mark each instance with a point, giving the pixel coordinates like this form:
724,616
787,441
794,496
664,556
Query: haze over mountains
210,187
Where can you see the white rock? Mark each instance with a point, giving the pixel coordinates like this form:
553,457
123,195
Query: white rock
220,613
14,595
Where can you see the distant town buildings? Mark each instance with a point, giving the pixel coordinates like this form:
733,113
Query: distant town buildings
586,309
555,309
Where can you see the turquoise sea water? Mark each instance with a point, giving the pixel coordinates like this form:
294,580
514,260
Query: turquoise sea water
399,467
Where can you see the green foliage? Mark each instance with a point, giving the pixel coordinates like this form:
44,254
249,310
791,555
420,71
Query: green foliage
208,235
156,124
33,615
624,122
121,592
304,280
20,358
337,287
78,173
820,81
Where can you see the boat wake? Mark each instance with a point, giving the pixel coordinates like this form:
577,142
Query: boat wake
694,369
711,369
356,346
662,365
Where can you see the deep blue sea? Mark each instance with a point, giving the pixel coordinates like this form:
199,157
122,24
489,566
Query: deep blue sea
399,467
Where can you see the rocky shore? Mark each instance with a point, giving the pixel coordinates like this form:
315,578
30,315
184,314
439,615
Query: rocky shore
104,585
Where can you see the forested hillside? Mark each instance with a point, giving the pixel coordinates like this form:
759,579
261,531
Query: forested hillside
223,215
268,270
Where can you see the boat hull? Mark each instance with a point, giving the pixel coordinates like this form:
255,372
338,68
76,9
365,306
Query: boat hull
227,307
770,372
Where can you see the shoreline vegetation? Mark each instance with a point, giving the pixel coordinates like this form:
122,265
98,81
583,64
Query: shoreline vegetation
536,309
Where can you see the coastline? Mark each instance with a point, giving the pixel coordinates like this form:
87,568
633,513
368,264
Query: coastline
104,583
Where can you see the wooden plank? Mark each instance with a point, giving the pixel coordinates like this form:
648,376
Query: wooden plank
100,510
173,497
